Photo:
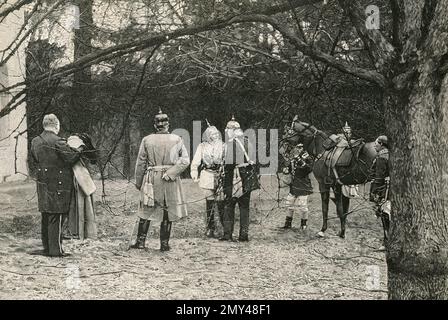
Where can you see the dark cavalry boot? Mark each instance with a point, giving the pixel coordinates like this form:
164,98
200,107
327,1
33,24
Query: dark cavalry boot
227,226
221,206
288,223
303,225
143,226
209,204
244,225
165,233
386,224
228,223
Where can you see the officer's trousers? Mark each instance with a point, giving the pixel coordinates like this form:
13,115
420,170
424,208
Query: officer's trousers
229,216
52,233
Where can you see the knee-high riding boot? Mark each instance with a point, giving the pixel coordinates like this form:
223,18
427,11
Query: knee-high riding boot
288,223
221,205
210,218
228,222
244,224
143,227
386,223
165,233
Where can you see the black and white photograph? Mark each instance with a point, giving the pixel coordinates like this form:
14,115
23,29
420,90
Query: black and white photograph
243,151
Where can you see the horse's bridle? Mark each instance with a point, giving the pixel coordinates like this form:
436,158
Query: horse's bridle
307,126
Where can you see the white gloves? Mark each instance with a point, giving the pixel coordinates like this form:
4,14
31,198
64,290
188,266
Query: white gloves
194,176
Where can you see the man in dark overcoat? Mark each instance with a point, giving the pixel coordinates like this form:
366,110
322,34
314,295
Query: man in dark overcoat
54,160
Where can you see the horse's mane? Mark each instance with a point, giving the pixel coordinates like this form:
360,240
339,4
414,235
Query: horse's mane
309,128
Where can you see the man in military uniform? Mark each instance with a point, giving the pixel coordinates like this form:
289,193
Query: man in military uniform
209,157
379,188
350,191
240,179
300,167
54,159
161,159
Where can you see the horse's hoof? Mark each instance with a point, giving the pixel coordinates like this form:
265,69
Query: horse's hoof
341,235
320,234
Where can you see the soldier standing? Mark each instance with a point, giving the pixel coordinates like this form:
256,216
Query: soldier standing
240,179
379,188
161,159
300,167
209,157
54,159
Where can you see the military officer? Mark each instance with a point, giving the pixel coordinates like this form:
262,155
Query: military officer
209,157
54,159
379,188
161,159
240,179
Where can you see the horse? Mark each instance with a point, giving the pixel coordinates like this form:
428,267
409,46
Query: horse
356,172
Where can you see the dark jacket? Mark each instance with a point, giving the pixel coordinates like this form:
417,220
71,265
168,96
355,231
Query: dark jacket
379,173
234,156
54,159
300,168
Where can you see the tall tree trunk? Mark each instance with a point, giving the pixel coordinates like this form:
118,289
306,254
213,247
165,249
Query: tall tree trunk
82,92
417,255
127,151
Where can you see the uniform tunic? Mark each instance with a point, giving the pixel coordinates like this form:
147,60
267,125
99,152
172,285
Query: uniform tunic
54,160
380,170
300,169
208,156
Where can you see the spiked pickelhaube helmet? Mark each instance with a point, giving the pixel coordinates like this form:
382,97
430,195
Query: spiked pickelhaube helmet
161,119
346,128
233,124
209,131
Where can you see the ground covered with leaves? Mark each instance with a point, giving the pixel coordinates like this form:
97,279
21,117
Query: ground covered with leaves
274,264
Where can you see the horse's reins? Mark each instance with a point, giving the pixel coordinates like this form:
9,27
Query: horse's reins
309,127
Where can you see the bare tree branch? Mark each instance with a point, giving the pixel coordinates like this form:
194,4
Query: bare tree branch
118,50
157,39
380,49
23,27
14,7
369,75
31,30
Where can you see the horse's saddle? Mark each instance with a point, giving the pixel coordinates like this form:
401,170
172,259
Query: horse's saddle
342,154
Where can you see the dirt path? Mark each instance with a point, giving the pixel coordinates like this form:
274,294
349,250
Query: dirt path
273,265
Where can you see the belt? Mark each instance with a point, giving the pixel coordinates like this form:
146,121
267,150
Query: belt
159,168
214,167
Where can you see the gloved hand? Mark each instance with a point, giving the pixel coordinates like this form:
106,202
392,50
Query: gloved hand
194,176
166,177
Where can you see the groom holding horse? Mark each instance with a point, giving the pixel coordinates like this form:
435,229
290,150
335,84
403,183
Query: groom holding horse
349,166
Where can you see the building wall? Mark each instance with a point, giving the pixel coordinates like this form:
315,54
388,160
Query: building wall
13,147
